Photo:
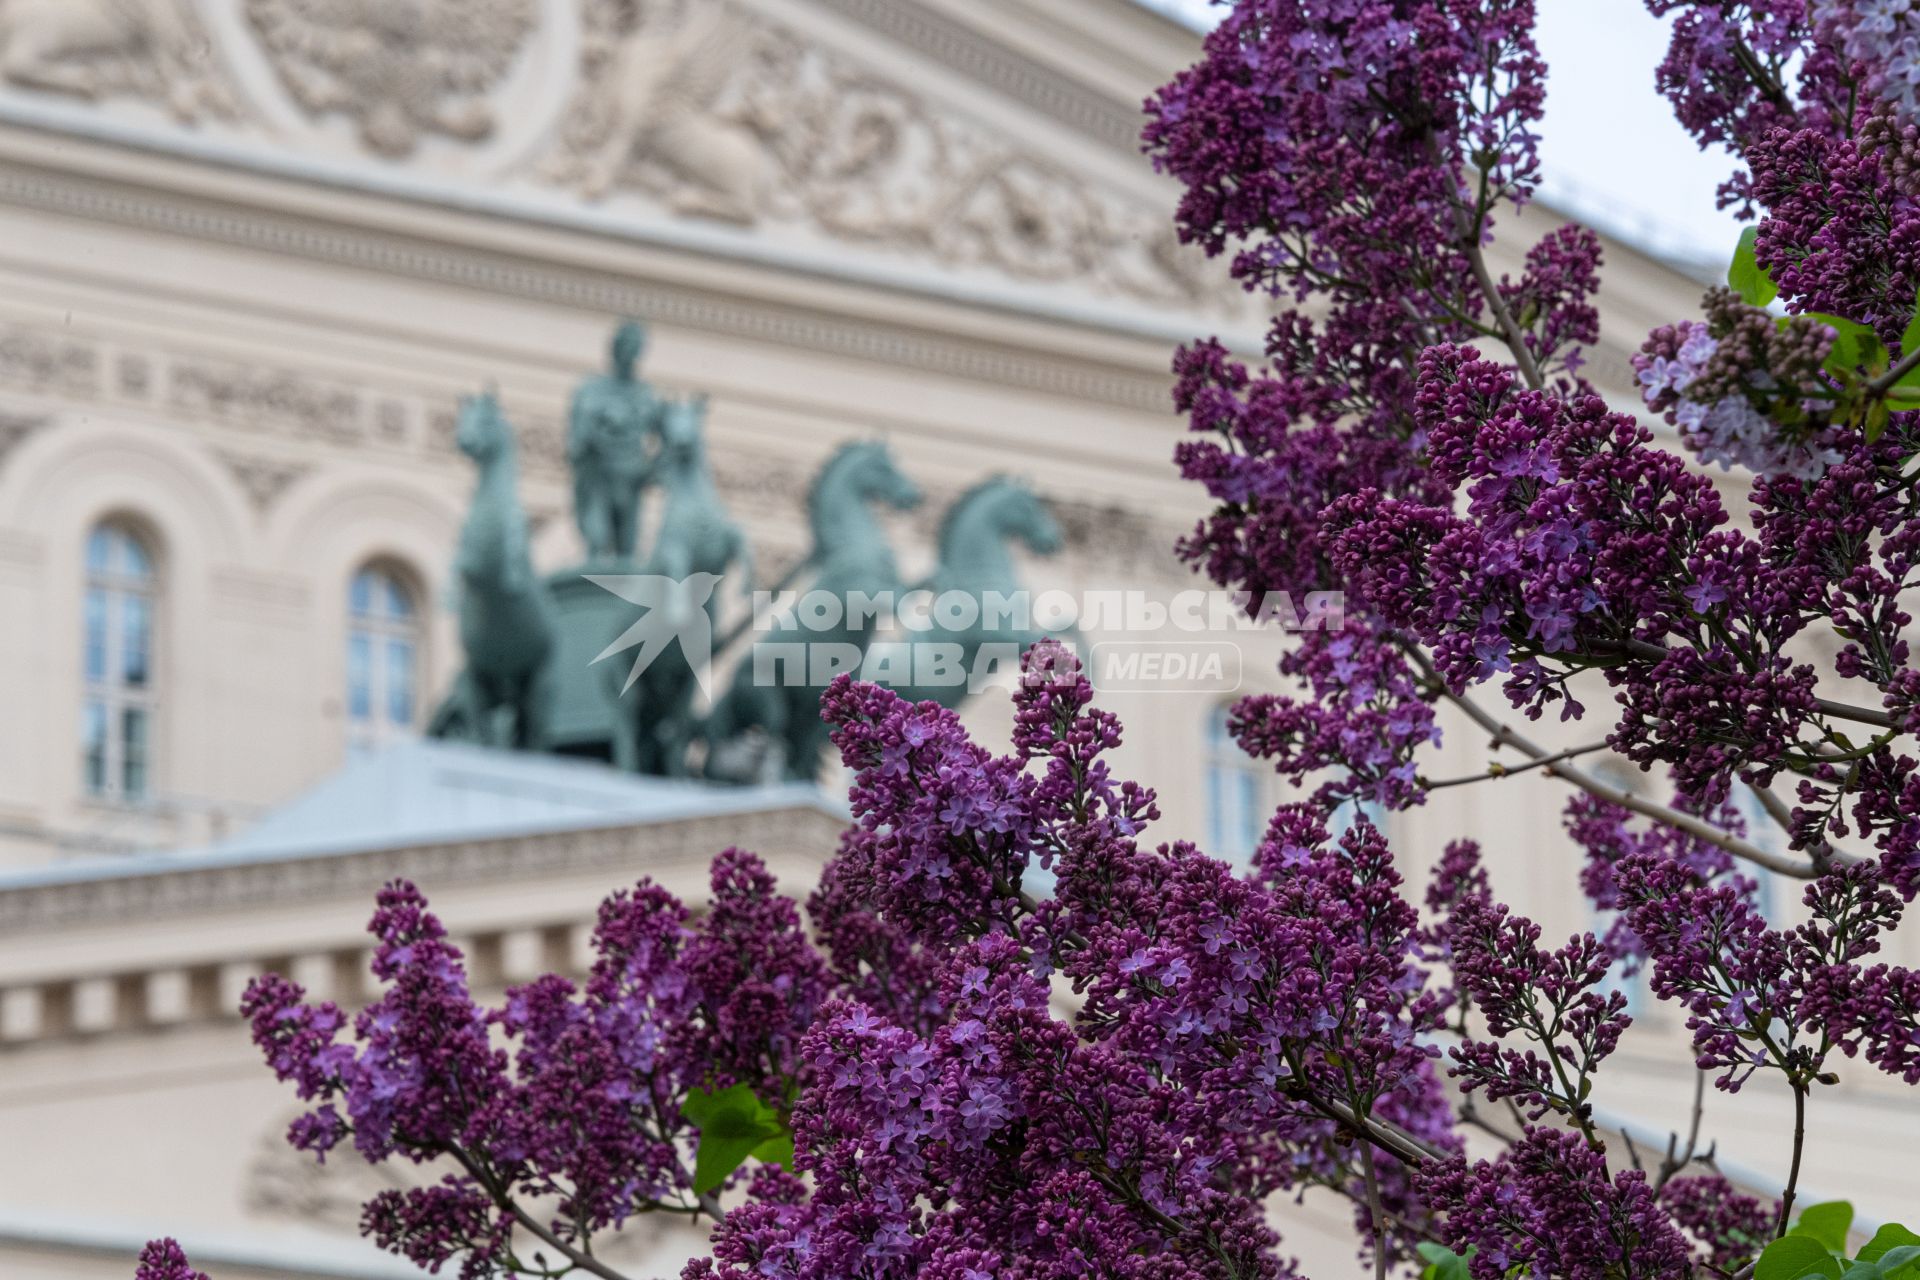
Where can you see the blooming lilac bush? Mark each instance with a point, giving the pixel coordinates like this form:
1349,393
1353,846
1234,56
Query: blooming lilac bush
941,1073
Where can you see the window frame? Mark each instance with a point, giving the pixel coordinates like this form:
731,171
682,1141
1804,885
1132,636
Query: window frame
380,625
111,704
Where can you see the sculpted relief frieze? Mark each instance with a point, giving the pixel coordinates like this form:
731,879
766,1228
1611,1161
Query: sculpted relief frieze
157,51
721,114
684,109
399,69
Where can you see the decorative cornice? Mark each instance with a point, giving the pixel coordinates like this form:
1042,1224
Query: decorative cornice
151,891
417,258
1041,87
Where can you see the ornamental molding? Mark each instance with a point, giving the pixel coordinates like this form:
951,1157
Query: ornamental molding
65,365
147,893
255,402
267,400
1115,533
955,45
319,410
284,1183
33,360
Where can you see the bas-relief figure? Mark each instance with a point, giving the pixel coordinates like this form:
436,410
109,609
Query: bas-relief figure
707,107
154,49
399,68
664,67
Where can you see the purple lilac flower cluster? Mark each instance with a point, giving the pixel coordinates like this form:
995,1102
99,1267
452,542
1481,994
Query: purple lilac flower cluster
1881,38
1733,386
962,1078
954,1112
564,1094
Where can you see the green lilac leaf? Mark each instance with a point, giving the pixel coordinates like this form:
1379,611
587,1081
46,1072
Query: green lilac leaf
1891,1236
1442,1262
1826,1223
1792,1257
1747,277
734,1125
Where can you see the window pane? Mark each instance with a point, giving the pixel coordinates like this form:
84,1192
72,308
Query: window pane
96,638
1218,739
100,551
360,676
400,682
133,752
93,747
360,594
399,599
136,633
1246,813
133,556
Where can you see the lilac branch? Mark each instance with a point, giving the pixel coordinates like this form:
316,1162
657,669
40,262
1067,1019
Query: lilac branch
1497,770
1505,735
505,1201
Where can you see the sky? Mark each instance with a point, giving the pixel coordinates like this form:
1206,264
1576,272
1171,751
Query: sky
1610,151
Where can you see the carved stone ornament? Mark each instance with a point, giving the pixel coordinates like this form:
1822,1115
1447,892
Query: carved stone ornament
156,50
726,116
16,426
399,69
263,479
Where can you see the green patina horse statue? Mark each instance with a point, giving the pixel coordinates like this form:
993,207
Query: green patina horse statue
976,565
698,544
506,616
853,557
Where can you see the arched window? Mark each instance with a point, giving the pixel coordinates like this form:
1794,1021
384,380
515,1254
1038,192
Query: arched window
1775,901
1237,791
116,717
383,657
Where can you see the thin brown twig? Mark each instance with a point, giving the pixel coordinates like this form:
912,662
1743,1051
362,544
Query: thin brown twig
504,1199
1799,1146
1505,735
1502,771
1374,1212
1676,1160
1822,853
1467,231
1509,327
1906,365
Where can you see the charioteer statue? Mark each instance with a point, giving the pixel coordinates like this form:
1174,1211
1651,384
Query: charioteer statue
551,662
613,437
